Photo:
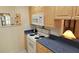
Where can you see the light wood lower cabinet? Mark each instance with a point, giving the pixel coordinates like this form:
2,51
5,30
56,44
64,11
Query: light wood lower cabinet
41,49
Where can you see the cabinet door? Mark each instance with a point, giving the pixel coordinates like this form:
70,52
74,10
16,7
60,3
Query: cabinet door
59,26
77,29
77,13
49,13
63,12
37,9
41,49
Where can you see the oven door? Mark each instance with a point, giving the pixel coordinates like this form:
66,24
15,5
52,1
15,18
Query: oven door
31,46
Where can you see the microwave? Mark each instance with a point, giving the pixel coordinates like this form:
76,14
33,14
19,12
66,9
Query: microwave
38,19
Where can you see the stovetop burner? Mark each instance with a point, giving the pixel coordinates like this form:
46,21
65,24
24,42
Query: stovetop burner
36,37
41,36
32,34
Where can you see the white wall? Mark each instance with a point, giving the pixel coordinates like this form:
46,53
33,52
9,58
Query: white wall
8,9
12,38
24,11
26,19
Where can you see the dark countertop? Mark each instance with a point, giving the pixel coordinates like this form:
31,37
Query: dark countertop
58,46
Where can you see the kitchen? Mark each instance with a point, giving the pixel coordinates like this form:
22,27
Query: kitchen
40,29
53,26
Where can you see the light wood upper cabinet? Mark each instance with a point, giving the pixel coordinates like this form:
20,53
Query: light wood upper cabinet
76,12
63,12
49,13
59,26
41,49
37,9
55,12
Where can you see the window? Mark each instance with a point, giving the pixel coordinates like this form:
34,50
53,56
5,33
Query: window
5,19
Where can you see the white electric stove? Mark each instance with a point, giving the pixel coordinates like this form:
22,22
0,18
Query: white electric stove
31,42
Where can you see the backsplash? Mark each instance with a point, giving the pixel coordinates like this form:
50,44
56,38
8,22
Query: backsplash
42,31
55,32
